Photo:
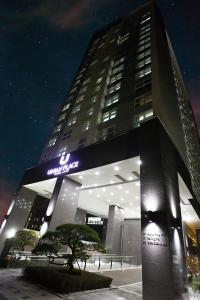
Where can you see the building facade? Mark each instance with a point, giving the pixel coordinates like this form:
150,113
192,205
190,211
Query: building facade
123,156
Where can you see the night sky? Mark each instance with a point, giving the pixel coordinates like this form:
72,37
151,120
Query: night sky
41,45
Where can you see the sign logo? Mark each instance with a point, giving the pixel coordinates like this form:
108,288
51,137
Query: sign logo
65,166
64,159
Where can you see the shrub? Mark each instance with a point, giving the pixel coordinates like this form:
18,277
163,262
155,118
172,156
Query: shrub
57,279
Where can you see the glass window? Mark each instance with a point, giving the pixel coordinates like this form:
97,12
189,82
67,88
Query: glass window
114,87
143,47
109,101
144,83
143,99
118,61
57,128
82,90
86,81
66,106
52,142
117,69
76,109
61,117
115,77
143,72
143,62
94,62
143,54
109,115
90,111
143,116
143,41
79,99
86,125
123,38
72,120
99,80
94,99
144,20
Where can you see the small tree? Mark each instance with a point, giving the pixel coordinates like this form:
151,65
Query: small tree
73,236
24,237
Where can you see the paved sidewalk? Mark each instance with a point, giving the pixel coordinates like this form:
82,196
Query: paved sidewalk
14,288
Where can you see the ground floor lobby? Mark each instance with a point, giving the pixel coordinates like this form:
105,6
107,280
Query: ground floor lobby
135,191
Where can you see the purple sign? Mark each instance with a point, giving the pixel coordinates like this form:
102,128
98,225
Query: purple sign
65,166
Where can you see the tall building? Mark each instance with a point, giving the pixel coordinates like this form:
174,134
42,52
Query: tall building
123,156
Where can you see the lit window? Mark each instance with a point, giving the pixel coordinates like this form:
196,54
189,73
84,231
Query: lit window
94,62
52,142
146,19
123,38
76,109
143,41
57,128
86,125
66,106
72,120
144,62
143,116
100,46
109,115
82,70
143,54
111,100
62,151
143,72
119,61
145,29
142,100
79,99
115,77
143,47
114,87
94,99
108,133
82,90
73,90
99,80
61,117
117,69
97,88
86,81
91,111
144,35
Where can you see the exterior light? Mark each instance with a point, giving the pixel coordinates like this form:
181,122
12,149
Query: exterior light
116,168
11,233
96,173
139,162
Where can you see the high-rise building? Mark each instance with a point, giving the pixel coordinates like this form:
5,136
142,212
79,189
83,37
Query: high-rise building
123,156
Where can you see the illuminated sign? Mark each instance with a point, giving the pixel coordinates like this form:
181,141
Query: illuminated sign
65,166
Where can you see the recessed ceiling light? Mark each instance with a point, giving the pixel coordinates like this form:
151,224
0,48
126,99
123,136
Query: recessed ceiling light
95,184
96,173
111,194
98,195
111,182
122,199
103,189
127,192
137,183
90,192
131,204
116,168
130,178
139,162
77,188
136,197
119,187
108,200
80,177
66,190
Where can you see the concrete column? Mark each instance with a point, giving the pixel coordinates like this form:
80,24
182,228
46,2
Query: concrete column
17,217
63,204
132,238
163,257
114,230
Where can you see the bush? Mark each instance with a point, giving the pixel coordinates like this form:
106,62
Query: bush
58,280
